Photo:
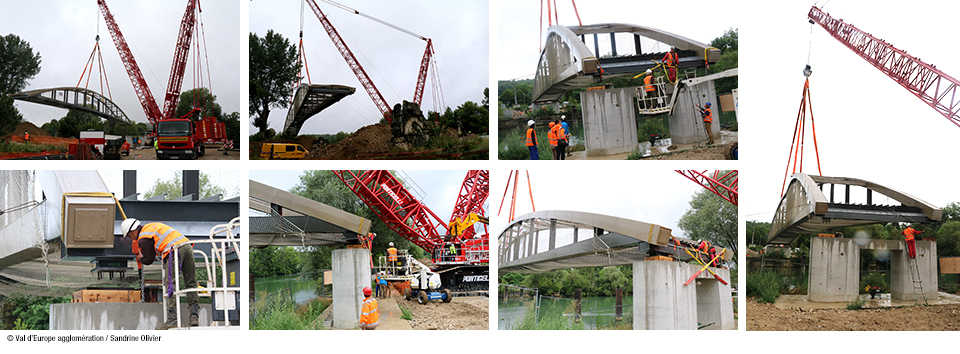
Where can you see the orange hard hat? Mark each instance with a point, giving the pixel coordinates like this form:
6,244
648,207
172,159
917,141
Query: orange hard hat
552,124
367,291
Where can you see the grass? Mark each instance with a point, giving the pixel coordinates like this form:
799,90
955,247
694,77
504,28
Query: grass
856,304
17,147
276,313
553,321
407,315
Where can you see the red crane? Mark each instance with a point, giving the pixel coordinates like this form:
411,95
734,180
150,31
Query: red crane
724,185
358,70
387,197
150,108
923,80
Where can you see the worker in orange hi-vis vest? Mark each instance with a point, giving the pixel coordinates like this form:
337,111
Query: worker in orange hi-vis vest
909,234
670,61
392,257
552,136
156,239
532,141
707,114
370,312
649,89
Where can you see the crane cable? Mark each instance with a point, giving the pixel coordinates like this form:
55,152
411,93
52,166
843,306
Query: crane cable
88,67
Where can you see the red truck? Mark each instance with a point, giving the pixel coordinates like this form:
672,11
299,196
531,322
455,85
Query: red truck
184,138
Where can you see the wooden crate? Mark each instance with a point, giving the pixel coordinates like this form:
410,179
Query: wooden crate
101,295
826,235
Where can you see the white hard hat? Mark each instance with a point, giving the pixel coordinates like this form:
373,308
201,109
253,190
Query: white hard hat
391,244
649,71
530,122
563,117
127,225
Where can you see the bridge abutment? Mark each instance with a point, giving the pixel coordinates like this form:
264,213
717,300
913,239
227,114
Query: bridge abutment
901,281
686,125
351,272
834,270
609,121
662,301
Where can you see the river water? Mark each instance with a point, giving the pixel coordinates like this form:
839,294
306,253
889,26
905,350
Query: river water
301,287
596,311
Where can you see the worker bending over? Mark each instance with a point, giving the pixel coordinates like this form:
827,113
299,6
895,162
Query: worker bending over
370,315
155,239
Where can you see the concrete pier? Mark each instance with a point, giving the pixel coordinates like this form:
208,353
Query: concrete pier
351,273
118,316
661,301
714,300
901,281
609,121
686,125
834,269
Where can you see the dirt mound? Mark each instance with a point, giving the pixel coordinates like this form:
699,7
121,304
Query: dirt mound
30,128
371,139
461,313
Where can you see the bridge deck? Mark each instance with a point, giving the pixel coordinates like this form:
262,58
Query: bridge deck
805,208
293,220
311,99
76,98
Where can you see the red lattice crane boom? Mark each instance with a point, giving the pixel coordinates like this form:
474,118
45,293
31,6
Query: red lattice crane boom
387,197
352,62
174,84
923,80
150,108
724,185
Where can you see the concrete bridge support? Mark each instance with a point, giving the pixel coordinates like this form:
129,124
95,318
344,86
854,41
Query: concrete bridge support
901,281
351,272
834,270
117,316
714,300
686,125
661,301
609,121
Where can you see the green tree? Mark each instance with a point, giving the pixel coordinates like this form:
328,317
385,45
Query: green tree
611,279
51,127
18,64
573,280
726,42
173,188
76,121
273,71
713,219
199,98
512,278
232,124
472,118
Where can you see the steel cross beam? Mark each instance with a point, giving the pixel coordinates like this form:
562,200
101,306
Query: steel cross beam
716,184
929,84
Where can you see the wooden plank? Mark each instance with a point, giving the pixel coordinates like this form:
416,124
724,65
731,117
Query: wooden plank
111,296
950,265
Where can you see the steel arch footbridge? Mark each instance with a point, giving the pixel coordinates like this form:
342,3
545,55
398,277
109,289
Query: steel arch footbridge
76,98
567,63
814,204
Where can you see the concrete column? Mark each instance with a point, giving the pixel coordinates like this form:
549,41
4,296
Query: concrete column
686,125
660,300
714,300
834,270
609,121
901,281
351,273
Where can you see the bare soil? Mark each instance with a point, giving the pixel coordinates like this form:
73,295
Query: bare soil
371,139
467,312
716,152
767,317
148,153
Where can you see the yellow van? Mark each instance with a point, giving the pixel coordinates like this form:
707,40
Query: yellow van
282,151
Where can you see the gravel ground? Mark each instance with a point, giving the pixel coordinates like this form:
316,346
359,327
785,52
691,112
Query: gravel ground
468,312
767,317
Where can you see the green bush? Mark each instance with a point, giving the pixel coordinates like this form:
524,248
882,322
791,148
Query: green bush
871,280
765,285
651,126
